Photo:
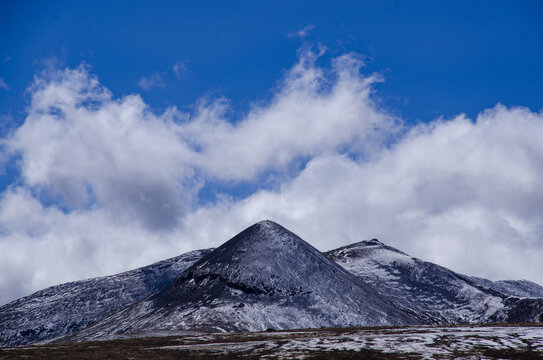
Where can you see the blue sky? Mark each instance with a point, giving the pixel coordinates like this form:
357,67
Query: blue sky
438,58
147,129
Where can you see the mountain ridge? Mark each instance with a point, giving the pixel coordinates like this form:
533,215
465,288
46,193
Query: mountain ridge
441,295
65,308
264,277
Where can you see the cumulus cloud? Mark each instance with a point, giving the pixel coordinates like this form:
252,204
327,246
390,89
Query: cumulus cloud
151,82
312,113
461,193
102,173
84,149
107,185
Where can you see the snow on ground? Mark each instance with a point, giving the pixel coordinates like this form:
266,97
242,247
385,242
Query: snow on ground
419,342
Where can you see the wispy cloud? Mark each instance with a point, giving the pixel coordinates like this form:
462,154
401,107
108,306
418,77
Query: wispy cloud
179,69
151,82
303,32
3,84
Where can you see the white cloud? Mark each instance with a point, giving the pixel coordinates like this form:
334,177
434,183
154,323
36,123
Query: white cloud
310,114
151,82
85,149
461,193
107,185
109,173
3,84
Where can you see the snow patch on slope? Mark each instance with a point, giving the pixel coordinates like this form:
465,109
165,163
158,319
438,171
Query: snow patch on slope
437,293
264,277
66,308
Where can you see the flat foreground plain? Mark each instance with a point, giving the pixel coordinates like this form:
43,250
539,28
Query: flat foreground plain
429,342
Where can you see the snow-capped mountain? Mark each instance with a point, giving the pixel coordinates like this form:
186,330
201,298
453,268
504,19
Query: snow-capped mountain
436,293
63,309
267,277
264,277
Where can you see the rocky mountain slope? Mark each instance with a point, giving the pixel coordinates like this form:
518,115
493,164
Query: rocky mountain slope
66,308
438,294
265,277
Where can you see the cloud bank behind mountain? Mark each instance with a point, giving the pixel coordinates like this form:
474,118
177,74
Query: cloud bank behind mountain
107,184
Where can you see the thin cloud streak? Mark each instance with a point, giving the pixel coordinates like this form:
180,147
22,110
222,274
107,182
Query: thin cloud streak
152,82
303,32
3,84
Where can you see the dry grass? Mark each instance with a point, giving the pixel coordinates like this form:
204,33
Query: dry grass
252,346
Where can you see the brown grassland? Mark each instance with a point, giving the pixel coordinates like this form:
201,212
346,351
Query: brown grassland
300,344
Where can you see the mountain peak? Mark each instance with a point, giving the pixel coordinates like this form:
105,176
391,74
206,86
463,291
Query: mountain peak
365,249
264,277
265,245
256,255
433,292
266,229
267,224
